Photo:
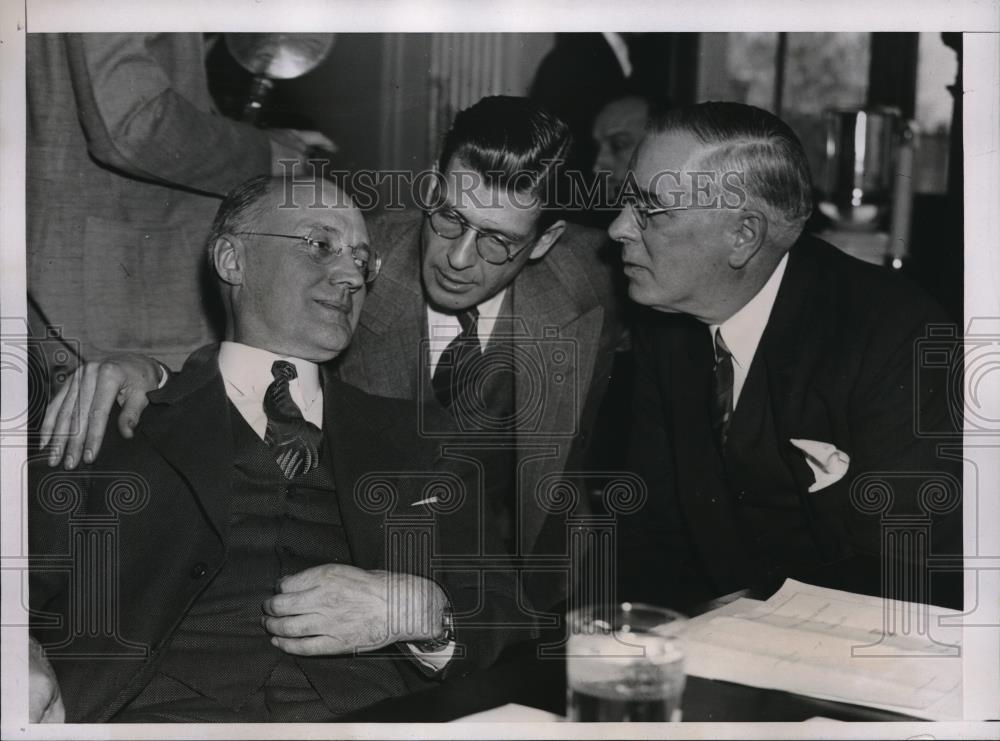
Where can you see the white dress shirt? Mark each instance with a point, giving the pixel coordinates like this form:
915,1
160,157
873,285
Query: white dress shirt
443,328
742,331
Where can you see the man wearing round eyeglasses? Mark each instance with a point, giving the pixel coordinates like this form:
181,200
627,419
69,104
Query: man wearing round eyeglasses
513,310
256,567
778,410
465,265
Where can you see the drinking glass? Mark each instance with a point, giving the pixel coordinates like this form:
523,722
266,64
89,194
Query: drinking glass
624,663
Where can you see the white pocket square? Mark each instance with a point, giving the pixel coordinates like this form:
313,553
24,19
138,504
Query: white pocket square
429,500
827,463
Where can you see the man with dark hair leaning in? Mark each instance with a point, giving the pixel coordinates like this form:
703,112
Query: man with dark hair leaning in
488,305
776,396
257,568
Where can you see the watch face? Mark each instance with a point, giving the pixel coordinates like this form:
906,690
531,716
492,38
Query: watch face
449,625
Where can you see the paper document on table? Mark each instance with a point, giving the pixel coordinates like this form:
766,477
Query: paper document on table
835,645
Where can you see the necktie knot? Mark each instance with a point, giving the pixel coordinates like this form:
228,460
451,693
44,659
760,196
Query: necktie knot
468,320
283,370
722,351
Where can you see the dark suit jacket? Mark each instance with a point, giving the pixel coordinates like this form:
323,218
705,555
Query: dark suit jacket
835,364
150,519
563,313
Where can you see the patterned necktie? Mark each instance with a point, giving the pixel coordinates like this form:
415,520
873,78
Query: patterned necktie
295,441
722,390
452,374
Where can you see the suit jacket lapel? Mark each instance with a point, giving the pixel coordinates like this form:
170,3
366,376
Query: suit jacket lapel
803,322
789,351
546,314
745,428
702,487
362,438
189,423
395,313
691,361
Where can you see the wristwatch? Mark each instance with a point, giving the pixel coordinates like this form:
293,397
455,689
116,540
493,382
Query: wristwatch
447,634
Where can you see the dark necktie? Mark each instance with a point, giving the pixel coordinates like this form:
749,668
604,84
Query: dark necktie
722,390
453,373
295,441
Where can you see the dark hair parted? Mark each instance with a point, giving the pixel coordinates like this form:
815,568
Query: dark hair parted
749,140
514,143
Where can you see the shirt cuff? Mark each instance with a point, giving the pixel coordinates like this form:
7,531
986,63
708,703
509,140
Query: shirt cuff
433,660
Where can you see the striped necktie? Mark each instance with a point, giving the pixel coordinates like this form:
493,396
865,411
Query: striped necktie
722,390
454,371
294,440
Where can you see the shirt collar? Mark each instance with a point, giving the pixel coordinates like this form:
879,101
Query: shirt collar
743,330
489,310
248,370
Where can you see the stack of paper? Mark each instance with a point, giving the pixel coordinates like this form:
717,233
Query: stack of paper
835,645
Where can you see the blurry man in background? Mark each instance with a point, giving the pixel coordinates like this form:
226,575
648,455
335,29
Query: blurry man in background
618,129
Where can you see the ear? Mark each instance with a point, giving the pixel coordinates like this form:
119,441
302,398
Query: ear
545,242
750,235
229,259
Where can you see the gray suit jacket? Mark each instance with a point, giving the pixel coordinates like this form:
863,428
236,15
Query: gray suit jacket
126,160
565,325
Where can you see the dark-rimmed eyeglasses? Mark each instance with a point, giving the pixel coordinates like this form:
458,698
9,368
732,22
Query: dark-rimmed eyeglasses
322,252
493,247
641,212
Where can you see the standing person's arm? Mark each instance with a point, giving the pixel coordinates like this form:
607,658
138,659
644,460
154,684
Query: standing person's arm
137,122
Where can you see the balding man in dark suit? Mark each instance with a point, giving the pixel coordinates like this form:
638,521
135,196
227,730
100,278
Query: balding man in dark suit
776,398
273,528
